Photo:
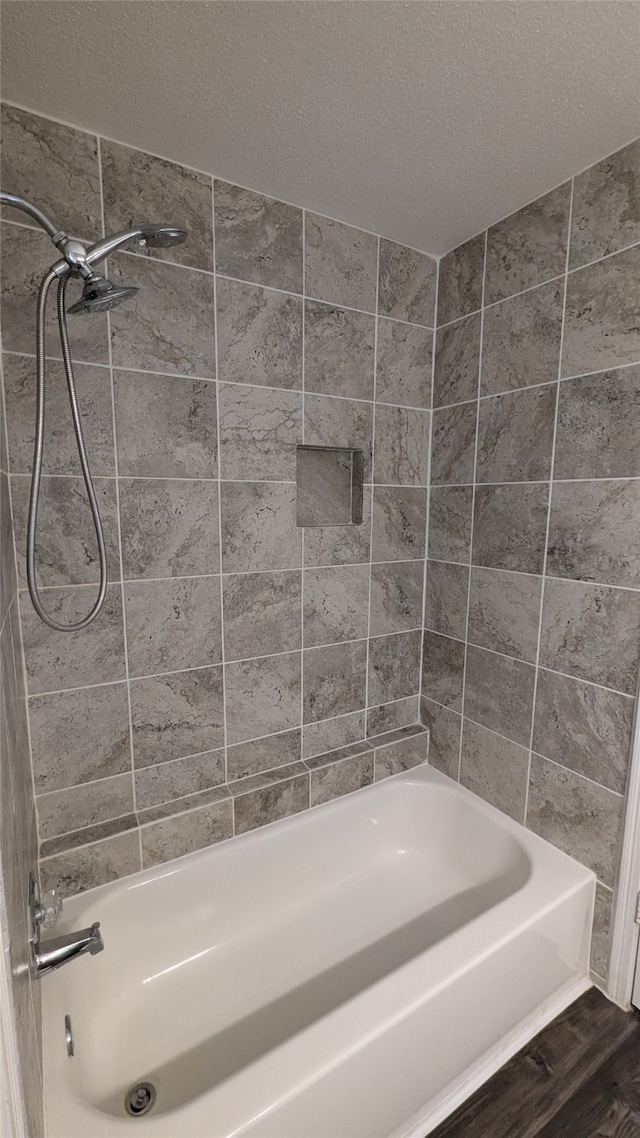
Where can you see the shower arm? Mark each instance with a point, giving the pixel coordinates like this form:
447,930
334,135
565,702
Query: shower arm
21,203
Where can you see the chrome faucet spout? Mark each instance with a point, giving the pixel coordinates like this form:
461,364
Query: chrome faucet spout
54,953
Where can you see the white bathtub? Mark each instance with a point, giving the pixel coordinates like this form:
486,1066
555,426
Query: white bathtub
354,971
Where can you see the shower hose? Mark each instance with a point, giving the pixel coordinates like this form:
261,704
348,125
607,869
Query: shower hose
34,497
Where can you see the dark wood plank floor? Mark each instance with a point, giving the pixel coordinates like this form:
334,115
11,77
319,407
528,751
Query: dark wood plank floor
579,1078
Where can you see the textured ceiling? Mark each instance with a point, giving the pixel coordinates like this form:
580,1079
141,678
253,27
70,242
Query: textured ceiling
424,121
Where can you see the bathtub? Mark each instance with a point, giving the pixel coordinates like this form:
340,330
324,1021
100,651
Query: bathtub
354,971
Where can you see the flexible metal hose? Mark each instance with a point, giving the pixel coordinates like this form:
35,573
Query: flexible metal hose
34,497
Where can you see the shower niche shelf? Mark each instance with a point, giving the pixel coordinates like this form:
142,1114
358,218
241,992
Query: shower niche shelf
329,486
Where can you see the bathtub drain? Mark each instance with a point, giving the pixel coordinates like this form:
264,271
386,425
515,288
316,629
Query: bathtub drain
140,1098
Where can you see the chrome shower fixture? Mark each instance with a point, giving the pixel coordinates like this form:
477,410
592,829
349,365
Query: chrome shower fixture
98,295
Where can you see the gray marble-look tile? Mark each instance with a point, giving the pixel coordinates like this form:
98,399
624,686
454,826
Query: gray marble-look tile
181,805
334,758
401,754
262,696
259,335
593,530
579,817
340,778
529,246
444,728
392,716
504,612
169,528
335,680
340,263
460,280
78,736
499,694
338,351
340,545
66,547
601,935
443,669
606,206
515,435
399,523
450,510
406,283
258,755
55,166
262,613
453,444
60,451
259,527
8,578
596,433
495,768
396,597
184,833
138,185
329,734
394,666
401,446
258,239
403,364
166,426
27,254
259,431
509,527
271,803
583,727
521,340
336,604
601,328
164,782
57,660
339,423
177,715
80,869
457,362
592,632
80,806
169,325
447,588
71,839
172,625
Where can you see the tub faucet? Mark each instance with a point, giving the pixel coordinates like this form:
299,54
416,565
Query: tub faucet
54,953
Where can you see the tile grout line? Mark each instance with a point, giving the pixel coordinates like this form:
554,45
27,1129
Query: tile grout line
223,663
549,501
125,639
322,394
373,455
428,495
473,501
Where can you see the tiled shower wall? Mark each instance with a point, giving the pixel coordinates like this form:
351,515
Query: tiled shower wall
232,643
18,841
533,582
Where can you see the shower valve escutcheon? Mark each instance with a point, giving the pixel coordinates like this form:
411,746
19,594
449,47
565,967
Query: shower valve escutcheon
44,913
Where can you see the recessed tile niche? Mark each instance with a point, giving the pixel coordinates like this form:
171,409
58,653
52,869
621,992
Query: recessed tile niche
329,483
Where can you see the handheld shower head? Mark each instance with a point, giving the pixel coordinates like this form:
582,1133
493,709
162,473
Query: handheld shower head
99,295
161,236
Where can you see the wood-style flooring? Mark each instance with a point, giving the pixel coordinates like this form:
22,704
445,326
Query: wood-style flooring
579,1078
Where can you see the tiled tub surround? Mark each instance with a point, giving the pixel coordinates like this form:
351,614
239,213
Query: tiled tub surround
18,837
234,649
533,580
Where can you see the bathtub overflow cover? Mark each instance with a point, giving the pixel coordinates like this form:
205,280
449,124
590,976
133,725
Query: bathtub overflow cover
140,1098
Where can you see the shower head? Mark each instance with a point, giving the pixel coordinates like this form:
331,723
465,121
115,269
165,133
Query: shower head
161,236
99,295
